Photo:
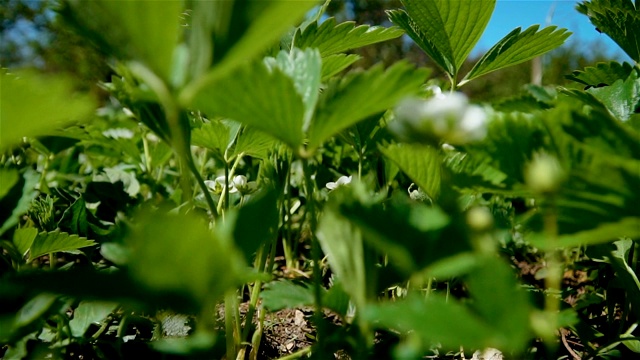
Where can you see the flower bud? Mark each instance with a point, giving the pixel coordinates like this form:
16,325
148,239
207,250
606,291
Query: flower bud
544,174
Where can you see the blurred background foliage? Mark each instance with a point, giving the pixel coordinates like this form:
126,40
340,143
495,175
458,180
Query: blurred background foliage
34,36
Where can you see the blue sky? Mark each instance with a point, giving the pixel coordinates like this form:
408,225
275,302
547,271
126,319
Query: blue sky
510,14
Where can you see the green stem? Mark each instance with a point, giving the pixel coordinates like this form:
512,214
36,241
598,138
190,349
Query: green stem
297,355
315,254
52,260
224,197
229,326
553,280
203,187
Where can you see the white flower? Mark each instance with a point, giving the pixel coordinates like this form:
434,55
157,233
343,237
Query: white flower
241,184
238,184
447,117
343,180
416,194
119,133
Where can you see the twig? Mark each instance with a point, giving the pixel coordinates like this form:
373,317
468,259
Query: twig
568,347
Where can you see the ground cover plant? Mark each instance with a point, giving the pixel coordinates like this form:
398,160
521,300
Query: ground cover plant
246,192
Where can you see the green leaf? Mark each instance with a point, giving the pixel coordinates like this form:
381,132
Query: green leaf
255,95
517,47
432,320
446,30
242,33
625,272
87,313
342,243
473,171
512,140
622,98
75,218
304,67
179,254
254,142
602,74
334,64
23,239
33,104
34,309
501,302
56,241
8,178
256,223
413,235
284,294
266,27
147,31
331,38
217,135
618,19
604,233
420,162
359,95
18,200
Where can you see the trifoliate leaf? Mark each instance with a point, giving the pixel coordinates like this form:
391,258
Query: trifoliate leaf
446,30
331,38
517,47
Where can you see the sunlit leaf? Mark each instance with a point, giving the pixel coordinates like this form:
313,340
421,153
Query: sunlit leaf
618,19
264,98
333,64
446,30
304,67
331,38
517,47
23,239
33,104
622,98
420,162
55,241
241,33
362,94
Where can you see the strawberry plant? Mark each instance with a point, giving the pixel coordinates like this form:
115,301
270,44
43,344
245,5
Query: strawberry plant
243,175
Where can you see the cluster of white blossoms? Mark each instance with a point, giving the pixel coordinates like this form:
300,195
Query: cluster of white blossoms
444,117
238,184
